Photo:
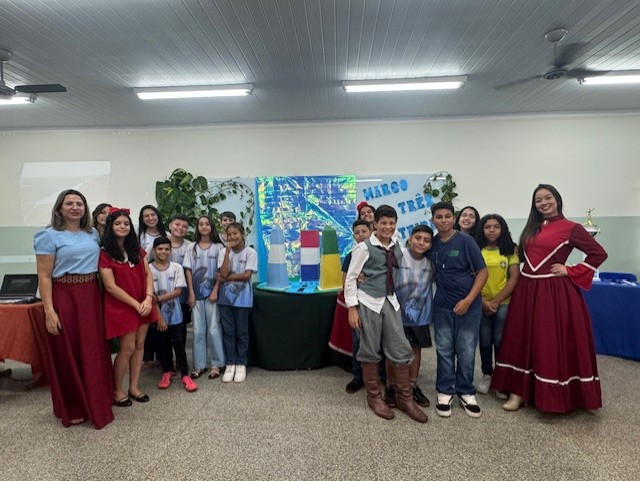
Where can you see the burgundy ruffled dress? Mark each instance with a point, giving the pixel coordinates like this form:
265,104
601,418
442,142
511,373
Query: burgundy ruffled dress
547,354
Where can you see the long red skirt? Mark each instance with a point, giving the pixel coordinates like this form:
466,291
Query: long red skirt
79,364
341,332
547,354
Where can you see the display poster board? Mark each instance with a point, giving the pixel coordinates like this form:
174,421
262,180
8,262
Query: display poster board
405,193
303,203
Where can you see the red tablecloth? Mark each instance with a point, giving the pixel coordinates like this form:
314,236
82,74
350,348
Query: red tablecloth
22,337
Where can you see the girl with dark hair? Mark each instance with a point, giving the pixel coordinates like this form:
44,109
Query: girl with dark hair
366,212
99,216
547,357
79,366
201,270
129,308
150,226
498,251
235,268
467,221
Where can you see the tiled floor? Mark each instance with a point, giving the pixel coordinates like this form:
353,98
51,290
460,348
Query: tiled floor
302,425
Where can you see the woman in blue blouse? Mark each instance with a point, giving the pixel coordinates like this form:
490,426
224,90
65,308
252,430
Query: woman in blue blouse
79,365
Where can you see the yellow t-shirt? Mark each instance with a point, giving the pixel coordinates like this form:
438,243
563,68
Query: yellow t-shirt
498,268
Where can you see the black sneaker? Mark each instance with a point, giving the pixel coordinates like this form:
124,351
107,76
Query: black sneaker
355,385
470,405
443,406
390,396
419,397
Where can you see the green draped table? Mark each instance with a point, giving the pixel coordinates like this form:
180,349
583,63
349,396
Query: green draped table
291,331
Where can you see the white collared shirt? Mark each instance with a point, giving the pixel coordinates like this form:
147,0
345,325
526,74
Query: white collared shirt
354,296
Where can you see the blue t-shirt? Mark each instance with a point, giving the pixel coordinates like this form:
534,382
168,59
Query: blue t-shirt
76,252
165,281
204,268
346,262
456,262
238,293
177,255
413,289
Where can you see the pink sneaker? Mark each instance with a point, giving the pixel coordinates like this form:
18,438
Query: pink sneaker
188,384
165,382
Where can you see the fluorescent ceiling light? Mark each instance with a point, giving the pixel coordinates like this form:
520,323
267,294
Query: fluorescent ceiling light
193,92
18,99
400,85
613,78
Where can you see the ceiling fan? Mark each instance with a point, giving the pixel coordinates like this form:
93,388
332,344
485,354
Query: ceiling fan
563,57
7,92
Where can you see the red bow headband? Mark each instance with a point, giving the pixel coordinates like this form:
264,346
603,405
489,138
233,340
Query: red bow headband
363,204
124,210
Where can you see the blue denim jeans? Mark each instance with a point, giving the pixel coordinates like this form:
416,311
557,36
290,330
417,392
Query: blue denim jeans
207,335
490,337
235,329
456,341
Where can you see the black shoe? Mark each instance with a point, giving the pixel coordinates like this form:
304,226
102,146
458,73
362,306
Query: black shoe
470,405
419,397
355,385
142,398
123,403
390,396
443,405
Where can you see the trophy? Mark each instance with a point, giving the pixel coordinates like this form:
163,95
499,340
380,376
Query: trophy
593,230
589,226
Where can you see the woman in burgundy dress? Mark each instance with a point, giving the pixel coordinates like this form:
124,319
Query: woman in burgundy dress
77,362
547,357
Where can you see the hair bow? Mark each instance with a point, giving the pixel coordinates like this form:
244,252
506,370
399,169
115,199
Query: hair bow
361,205
124,210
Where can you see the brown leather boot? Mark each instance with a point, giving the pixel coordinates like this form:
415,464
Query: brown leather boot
374,396
404,395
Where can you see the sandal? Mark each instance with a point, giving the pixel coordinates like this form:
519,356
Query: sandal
123,403
214,373
197,373
141,398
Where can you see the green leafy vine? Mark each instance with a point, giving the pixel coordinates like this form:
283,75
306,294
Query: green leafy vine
193,196
442,185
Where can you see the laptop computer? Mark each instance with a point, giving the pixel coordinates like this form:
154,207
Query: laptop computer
19,289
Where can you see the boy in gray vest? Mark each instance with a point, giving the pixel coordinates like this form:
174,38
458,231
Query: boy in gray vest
374,310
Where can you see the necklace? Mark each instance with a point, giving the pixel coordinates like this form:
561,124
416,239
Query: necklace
442,253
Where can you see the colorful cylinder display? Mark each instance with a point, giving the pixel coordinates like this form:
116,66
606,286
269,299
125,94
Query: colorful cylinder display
309,255
277,277
330,269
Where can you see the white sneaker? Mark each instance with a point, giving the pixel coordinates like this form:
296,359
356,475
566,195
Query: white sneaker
241,374
443,405
470,405
485,384
229,372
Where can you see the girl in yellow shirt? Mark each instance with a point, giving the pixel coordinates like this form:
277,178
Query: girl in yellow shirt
499,253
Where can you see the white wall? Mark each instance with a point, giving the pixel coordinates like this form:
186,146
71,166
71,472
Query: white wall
496,162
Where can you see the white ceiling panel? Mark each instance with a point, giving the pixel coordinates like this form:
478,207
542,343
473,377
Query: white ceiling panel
297,53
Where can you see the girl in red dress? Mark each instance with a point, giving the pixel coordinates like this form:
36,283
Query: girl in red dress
128,301
547,357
